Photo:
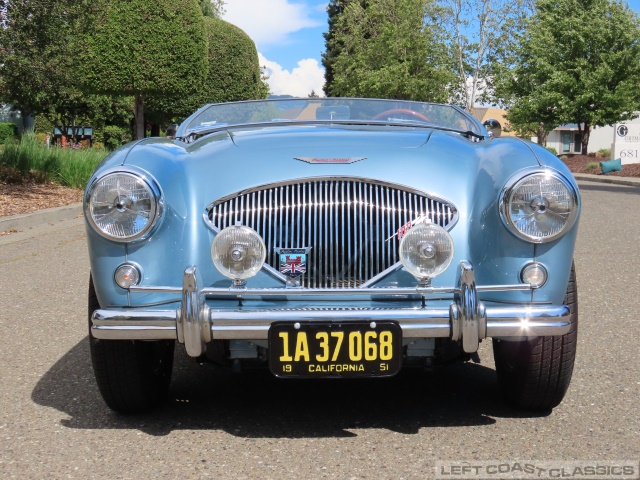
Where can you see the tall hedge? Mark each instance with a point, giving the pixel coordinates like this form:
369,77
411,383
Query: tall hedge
143,47
234,69
234,73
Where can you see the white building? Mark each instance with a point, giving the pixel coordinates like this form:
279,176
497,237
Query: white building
7,114
623,139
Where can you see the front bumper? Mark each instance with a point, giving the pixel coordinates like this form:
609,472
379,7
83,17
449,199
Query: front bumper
195,323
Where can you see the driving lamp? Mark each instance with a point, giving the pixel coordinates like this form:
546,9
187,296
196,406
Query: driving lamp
238,252
426,251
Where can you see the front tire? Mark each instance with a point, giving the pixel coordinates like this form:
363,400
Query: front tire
535,374
133,376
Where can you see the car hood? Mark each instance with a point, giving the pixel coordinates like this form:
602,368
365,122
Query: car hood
437,162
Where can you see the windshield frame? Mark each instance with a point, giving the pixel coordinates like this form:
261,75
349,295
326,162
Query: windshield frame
194,126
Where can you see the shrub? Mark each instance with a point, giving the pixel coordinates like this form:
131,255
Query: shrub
605,152
43,125
552,150
114,136
592,165
69,167
41,138
8,131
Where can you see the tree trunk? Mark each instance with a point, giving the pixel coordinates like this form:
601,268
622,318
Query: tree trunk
138,114
542,135
155,130
584,138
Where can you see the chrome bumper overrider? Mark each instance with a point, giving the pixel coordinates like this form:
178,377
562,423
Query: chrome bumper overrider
195,323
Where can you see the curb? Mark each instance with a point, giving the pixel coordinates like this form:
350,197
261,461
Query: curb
614,180
41,217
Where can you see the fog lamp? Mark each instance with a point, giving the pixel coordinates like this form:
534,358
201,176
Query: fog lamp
127,275
426,251
534,274
238,252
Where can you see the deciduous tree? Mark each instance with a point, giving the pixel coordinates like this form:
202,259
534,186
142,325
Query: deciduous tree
37,56
477,29
212,8
578,61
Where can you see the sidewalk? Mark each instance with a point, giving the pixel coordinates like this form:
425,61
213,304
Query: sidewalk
33,219
53,215
626,181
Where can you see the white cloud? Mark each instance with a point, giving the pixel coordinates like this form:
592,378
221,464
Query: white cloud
299,82
268,22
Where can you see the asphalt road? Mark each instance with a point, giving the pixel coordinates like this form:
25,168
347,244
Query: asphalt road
53,423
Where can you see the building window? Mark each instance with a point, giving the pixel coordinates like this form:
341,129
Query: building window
566,142
571,142
577,143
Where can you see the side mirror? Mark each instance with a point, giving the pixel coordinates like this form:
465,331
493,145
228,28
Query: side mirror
172,129
493,127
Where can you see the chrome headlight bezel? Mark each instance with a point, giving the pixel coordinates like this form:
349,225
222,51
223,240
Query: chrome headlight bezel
511,188
155,211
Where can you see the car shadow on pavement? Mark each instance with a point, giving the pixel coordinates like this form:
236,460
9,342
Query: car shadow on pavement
255,404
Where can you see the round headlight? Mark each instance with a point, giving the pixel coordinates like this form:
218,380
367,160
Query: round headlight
540,207
122,206
238,252
426,250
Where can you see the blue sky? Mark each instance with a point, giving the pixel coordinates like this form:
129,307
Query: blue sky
288,35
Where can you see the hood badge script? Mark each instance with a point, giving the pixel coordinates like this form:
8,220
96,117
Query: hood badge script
330,160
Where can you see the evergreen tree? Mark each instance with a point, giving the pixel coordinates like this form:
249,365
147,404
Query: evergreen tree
388,49
146,47
233,74
332,46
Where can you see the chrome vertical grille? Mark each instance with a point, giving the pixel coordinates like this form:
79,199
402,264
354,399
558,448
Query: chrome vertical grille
350,224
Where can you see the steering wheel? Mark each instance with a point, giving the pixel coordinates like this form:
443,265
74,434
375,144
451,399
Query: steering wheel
401,111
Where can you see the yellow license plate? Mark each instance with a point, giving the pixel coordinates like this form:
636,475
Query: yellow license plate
335,349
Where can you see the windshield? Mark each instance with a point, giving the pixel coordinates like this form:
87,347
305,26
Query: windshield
313,110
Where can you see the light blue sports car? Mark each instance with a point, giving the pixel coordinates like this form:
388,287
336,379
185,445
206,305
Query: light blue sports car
332,238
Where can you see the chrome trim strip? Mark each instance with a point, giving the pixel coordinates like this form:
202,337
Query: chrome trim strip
373,291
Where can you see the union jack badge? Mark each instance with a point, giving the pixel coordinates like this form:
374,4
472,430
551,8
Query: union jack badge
293,261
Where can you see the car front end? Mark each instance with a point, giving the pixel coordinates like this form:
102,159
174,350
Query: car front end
332,249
